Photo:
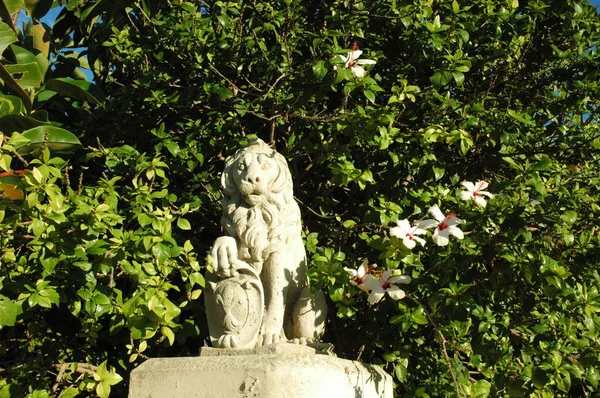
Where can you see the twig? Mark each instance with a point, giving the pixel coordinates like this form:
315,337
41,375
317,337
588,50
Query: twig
80,185
360,352
44,144
272,134
264,117
284,74
131,21
311,210
252,84
318,118
259,47
443,341
111,282
25,163
211,66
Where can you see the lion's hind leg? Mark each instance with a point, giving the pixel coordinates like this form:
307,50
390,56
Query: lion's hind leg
308,317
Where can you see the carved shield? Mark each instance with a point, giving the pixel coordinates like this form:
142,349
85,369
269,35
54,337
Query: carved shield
234,308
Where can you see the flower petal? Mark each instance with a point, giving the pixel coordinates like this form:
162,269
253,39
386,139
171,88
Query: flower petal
452,230
400,279
428,223
358,71
386,275
375,297
363,268
404,224
366,62
370,283
408,242
453,220
468,185
466,195
436,213
355,54
396,293
420,240
440,237
479,201
352,272
486,193
481,185
418,231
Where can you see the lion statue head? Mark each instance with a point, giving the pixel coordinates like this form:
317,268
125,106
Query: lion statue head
259,209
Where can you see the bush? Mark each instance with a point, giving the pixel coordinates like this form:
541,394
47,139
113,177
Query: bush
102,259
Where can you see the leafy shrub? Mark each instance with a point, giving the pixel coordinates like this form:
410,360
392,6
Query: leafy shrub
503,91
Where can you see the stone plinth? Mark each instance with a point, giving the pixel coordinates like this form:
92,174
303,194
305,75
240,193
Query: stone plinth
282,370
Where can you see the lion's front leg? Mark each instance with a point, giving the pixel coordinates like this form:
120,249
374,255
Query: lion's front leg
276,279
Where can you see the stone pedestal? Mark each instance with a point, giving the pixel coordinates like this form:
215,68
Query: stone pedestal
282,370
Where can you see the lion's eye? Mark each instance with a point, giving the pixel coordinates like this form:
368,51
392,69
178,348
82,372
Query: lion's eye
241,166
266,165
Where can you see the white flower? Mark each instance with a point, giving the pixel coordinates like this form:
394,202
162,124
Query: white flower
407,233
475,191
361,277
445,226
387,284
351,61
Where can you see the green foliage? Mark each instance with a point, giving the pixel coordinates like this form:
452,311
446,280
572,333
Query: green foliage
504,91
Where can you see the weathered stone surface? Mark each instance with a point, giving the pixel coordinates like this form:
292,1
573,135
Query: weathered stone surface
277,372
257,293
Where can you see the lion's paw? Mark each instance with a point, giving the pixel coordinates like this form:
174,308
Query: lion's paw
270,338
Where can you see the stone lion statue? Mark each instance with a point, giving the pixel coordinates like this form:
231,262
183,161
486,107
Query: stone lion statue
259,291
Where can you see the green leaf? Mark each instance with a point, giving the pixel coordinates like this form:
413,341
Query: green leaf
455,7
103,389
47,297
543,164
13,6
25,75
7,37
459,78
112,377
438,172
370,95
440,79
563,381
40,41
59,140
401,370
184,224
521,118
168,333
418,317
223,93
161,252
481,389
14,85
197,278
349,223
77,89
10,104
512,163
319,69
10,123
69,392
9,312
569,217
37,8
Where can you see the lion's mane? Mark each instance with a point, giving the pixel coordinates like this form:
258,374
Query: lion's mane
271,224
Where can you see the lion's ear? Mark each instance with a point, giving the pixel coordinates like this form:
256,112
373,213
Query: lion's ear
284,177
227,181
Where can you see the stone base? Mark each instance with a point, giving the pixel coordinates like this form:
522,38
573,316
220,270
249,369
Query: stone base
282,370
